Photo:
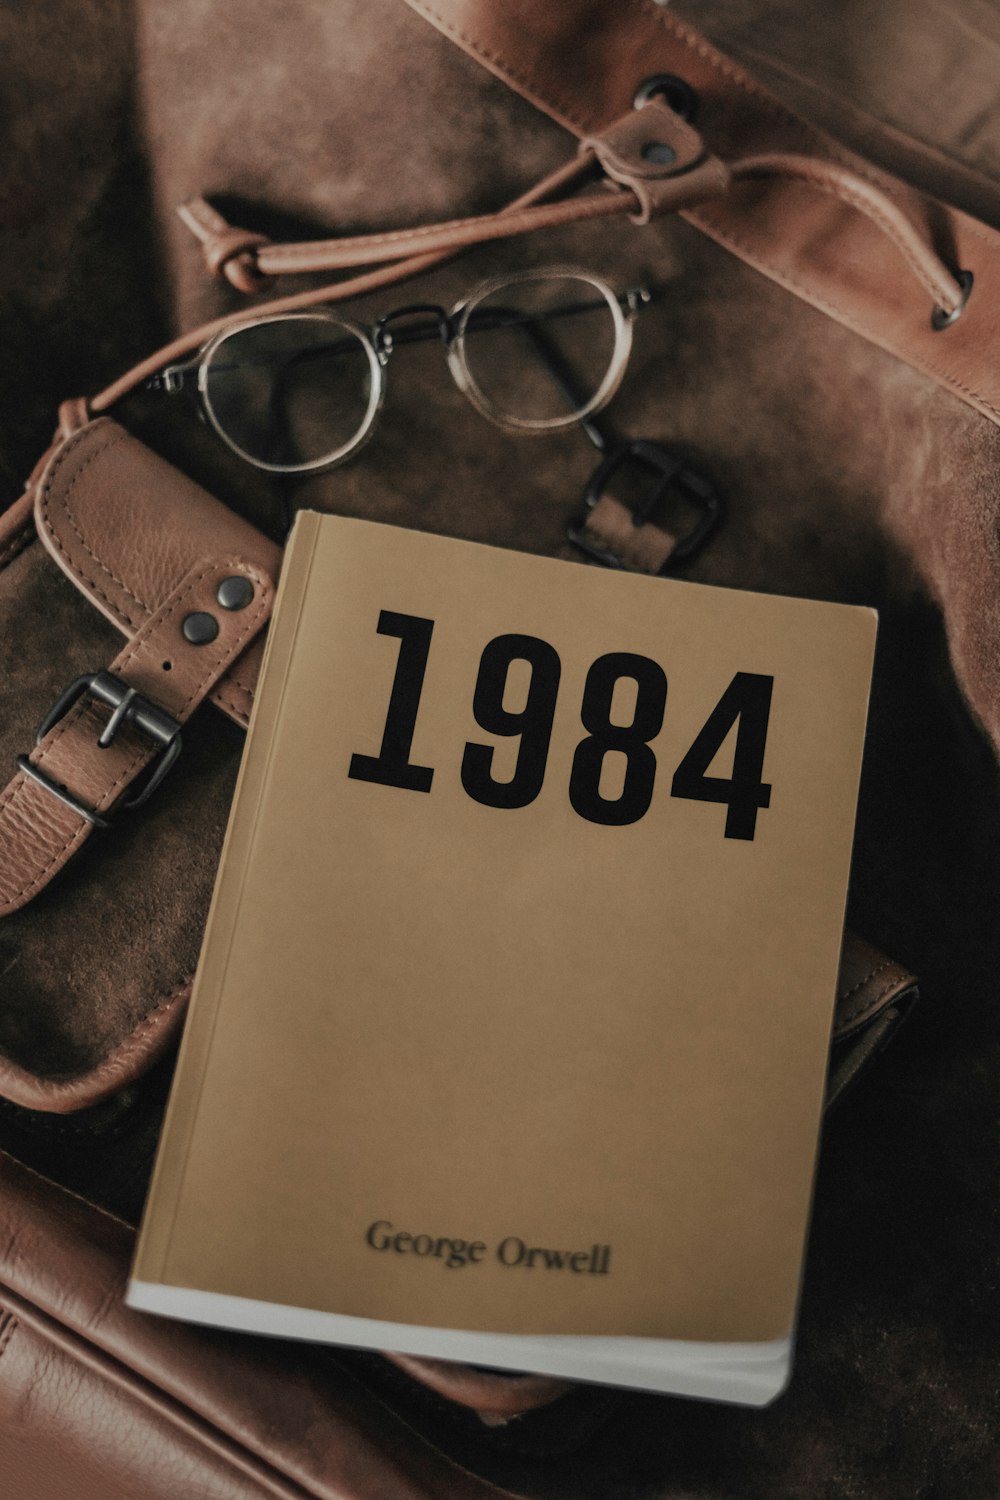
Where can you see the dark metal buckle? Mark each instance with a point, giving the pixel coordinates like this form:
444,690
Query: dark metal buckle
668,473
128,706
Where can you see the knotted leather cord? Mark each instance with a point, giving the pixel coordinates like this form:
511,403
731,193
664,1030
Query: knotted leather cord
565,177
250,261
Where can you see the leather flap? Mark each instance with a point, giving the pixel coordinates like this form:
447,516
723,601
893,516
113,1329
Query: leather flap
125,526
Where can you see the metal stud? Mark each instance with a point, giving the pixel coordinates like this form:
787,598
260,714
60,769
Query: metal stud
199,628
678,93
235,592
658,152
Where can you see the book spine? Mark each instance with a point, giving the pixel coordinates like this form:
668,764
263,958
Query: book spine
152,1250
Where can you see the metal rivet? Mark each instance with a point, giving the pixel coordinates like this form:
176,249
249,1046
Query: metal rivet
199,628
678,93
942,319
235,592
658,152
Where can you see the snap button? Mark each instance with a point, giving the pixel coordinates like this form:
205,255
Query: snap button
235,592
199,628
658,152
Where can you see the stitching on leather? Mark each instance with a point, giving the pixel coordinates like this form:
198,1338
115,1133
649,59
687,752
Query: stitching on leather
870,211
528,80
757,261
241,1453
113,1065
878,969
78,712
875,175
21,785
870,1006
816,139
130,1044
69,847
716,60
114,605
236,708
220,660
97,1208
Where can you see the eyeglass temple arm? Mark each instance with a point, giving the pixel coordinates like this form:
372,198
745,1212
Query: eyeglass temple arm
562,379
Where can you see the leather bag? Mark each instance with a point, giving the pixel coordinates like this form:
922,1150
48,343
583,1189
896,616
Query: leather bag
846,284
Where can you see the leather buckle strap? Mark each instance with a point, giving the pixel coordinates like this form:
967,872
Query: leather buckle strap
79,774
627,536
128,707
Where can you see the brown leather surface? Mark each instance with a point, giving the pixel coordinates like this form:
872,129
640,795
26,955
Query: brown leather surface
910,88
108,1402
40,832
100,514
846,474
687,176
819,248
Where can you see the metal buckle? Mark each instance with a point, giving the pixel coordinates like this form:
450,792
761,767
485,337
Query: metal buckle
669,473
128,706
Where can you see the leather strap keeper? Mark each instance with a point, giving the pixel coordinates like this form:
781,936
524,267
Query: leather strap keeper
660,158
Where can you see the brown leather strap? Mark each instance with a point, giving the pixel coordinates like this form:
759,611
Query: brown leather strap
85,763
943,289
659,160
651,152
611,530
632,150
582,61
228,251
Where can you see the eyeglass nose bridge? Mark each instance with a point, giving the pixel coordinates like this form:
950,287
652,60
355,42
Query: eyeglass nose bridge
384,340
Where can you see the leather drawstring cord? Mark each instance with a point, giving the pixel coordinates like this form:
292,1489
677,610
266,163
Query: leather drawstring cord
674,172
653,160
209,227
948,292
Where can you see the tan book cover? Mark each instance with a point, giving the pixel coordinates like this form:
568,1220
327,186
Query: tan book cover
509,1035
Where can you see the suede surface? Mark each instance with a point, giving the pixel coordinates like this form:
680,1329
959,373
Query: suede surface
846,475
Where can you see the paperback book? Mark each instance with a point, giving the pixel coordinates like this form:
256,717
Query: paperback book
509,1036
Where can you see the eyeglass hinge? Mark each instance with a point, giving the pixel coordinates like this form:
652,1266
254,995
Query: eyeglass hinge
171,380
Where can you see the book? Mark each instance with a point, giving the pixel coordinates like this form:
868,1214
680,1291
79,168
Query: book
509,1034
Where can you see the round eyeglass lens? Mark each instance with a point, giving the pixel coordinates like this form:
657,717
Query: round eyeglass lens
292,393
540,351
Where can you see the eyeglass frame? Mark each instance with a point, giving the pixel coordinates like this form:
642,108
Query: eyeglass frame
378,343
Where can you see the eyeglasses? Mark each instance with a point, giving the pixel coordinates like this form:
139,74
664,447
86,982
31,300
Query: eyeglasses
295,393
